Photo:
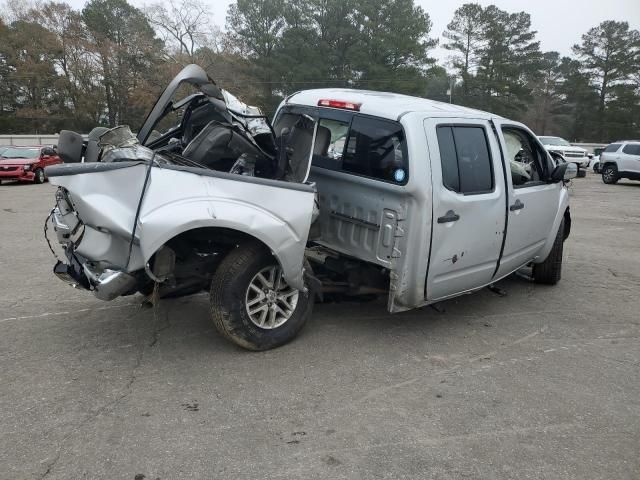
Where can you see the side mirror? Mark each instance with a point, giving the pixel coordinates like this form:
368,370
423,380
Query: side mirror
571,171
564,171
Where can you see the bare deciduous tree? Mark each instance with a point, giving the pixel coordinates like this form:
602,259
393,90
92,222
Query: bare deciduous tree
185,25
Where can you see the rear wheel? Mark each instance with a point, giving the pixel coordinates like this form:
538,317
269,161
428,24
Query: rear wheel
252,304
38,176
609,174
549,271
581,173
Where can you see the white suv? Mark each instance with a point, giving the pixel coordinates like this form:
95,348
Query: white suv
621,160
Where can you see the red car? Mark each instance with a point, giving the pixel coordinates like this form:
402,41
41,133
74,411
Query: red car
27,164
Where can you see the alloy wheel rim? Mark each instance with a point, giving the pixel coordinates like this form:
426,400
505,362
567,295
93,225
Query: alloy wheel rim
269,300
608,174
40,175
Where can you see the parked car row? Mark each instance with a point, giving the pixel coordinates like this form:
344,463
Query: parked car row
616,161
27,164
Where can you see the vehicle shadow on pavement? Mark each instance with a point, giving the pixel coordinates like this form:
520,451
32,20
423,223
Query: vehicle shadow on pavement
187,320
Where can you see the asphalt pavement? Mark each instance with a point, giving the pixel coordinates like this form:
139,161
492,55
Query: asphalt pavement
543,383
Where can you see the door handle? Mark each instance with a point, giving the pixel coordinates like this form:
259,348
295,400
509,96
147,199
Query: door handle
517,206
450,216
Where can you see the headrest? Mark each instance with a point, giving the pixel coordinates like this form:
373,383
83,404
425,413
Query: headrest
323,139
70,146
96,133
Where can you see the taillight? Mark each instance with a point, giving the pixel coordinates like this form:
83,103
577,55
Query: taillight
340,104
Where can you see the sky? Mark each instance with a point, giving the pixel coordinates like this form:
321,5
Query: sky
559,23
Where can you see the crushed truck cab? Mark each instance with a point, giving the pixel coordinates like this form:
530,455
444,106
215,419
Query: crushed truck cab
350,193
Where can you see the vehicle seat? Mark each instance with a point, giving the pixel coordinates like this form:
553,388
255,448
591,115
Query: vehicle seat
199,119
92,152
70,146
299,144
218,146
323,140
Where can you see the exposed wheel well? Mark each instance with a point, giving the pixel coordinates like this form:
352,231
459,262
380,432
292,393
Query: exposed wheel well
212,238
195,254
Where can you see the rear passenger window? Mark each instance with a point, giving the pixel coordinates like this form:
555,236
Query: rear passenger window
370,147
631,149
329,144
376,148
612,148
465,159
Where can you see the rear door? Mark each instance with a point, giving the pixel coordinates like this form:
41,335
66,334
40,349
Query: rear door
630,158
468,205
533,203
360,169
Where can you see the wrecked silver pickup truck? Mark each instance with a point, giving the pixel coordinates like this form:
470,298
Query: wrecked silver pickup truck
348,192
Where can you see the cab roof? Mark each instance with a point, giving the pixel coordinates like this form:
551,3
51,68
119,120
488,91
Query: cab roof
384,104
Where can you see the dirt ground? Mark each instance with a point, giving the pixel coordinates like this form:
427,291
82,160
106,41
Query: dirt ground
542,384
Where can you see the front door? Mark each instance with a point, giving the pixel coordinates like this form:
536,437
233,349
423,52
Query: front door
533,202
468,205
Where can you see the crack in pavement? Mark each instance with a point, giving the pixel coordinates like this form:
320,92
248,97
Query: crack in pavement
167,326
53,314
123,393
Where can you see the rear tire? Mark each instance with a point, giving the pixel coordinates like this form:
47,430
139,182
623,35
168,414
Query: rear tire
581,173
249,279
38,176
610,174
549,272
